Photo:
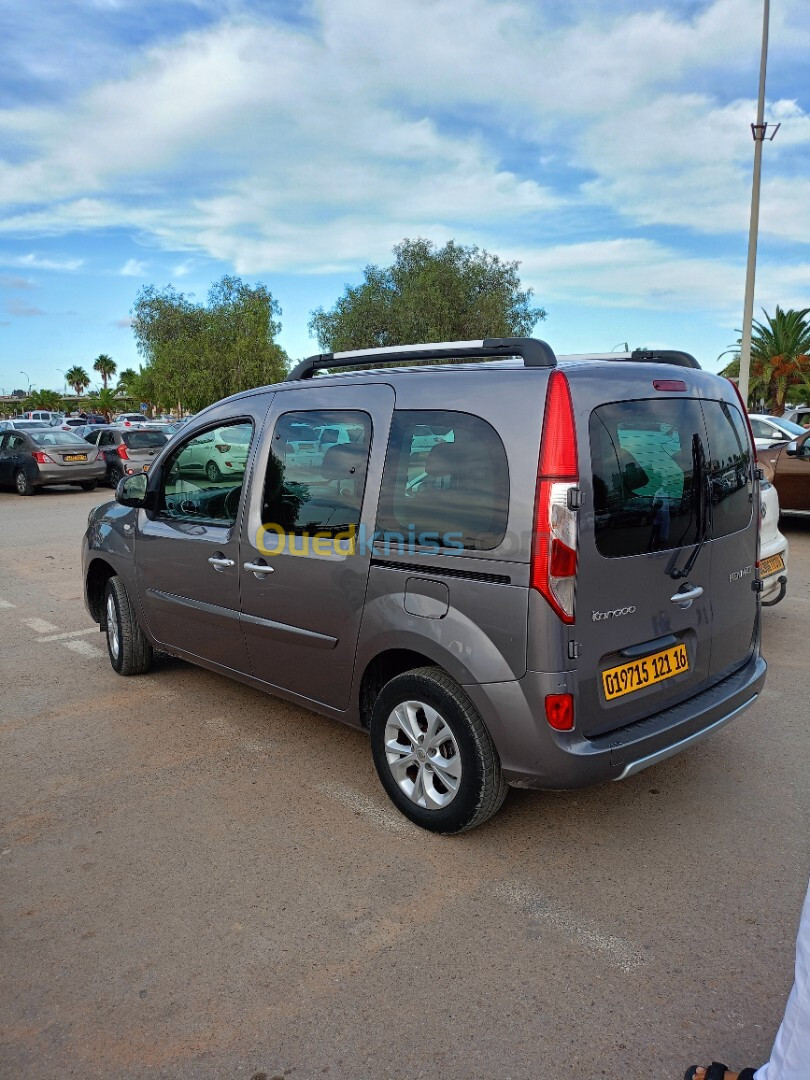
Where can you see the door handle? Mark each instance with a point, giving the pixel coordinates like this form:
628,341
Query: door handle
257,568
685,598
219,562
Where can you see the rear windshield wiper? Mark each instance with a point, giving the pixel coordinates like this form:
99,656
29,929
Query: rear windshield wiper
703,482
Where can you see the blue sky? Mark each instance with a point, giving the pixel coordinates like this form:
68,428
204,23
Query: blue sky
603,144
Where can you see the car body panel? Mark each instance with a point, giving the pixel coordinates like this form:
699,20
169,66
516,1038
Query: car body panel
790,470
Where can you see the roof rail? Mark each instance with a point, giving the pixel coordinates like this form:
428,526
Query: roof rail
535,353
666,356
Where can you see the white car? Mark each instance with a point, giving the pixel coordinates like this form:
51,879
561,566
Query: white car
772,429
129,419
210,454
773,548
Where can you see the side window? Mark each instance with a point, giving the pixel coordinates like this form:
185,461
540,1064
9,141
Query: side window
316,472
643,460
107,438
445,483
15,442
729,468
202,479
760,429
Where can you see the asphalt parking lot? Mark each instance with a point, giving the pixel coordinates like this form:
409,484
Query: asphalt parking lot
201,881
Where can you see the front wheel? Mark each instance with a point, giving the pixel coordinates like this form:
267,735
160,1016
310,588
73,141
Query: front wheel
22,484
130,653
433,754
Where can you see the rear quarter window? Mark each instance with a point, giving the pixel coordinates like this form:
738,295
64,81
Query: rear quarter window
730,468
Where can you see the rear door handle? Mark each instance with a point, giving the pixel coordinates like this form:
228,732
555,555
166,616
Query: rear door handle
220,562
257,568
684,599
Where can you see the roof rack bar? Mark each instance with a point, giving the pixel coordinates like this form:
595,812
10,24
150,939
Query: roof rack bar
535,353
666,356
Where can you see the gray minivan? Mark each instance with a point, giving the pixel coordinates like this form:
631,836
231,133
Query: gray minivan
559,587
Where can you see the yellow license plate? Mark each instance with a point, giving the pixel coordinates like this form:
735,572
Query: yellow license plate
75,457
635,675
772,565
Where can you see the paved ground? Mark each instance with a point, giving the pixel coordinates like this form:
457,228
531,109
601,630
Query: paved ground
200,881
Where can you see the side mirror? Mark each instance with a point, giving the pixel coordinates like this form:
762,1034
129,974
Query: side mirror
131,491
791,449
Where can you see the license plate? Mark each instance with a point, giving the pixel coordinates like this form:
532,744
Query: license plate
74,457
772,565
635,675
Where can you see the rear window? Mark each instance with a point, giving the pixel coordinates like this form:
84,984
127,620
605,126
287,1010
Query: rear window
57,438
729,468
143,440
445,483
643,457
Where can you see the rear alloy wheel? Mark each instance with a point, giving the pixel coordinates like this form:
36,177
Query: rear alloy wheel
22,484
212,472
433,754
130,652
115,476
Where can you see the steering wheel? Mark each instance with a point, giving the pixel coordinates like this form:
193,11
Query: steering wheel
231,505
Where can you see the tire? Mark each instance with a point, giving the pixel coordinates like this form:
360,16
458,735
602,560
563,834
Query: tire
89,485
444,798
22,484
115,476
212,472
129,651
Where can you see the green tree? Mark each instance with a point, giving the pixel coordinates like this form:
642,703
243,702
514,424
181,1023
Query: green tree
105,366
780,357
104,402
127,379
453,293
43,399
200,353
78,378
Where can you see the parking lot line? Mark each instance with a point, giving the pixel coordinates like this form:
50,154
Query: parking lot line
68,634
40,626
84,648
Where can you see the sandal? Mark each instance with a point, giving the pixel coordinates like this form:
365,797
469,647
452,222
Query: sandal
717,1071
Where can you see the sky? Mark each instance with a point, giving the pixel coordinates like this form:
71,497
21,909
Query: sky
604,145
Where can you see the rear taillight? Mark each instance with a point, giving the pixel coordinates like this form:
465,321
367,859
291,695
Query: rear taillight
42,458
223,447
122,453
554,547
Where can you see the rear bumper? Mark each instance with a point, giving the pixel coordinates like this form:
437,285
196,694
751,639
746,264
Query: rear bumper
533,755
73,474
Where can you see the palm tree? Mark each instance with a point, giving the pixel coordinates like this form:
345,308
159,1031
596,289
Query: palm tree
78,378
126,381
105,366
104,402
780,357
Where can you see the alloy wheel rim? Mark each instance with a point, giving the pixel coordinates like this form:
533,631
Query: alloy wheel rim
21,482
423,755
112,628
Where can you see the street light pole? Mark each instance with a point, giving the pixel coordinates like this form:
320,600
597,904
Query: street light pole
27,380
760,133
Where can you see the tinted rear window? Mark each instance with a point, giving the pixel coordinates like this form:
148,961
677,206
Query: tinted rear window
730,468
143,440
643,458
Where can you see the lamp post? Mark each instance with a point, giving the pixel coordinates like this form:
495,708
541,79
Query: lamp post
624,344
760,132
27,380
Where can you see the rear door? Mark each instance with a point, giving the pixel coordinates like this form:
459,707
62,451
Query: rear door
304,557
792,475
641,647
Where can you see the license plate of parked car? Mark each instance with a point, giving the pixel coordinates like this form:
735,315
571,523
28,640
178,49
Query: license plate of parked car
75,457
772,565
635,675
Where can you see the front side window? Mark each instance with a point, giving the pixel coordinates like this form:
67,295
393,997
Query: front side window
644,456
445,483
316,472
202,479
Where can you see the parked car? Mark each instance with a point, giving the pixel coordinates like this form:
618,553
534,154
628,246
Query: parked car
69,423
218,454
788,467
772,429
35,458
773,546
88,429
127,419
47,415
544,611
126,451
798,415
22,425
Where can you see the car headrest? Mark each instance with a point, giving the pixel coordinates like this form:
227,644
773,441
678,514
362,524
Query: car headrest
343,461
442,459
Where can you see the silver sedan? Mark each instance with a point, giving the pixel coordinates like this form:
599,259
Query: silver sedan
33,459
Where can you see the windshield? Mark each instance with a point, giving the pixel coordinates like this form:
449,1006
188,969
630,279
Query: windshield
788,425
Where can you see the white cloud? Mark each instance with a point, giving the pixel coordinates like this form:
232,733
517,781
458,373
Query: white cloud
37,262
133,268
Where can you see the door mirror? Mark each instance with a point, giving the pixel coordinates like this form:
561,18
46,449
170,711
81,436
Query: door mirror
131,490
791,449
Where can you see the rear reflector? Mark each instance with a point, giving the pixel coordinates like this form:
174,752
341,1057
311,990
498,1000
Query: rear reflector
560,711
673,385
